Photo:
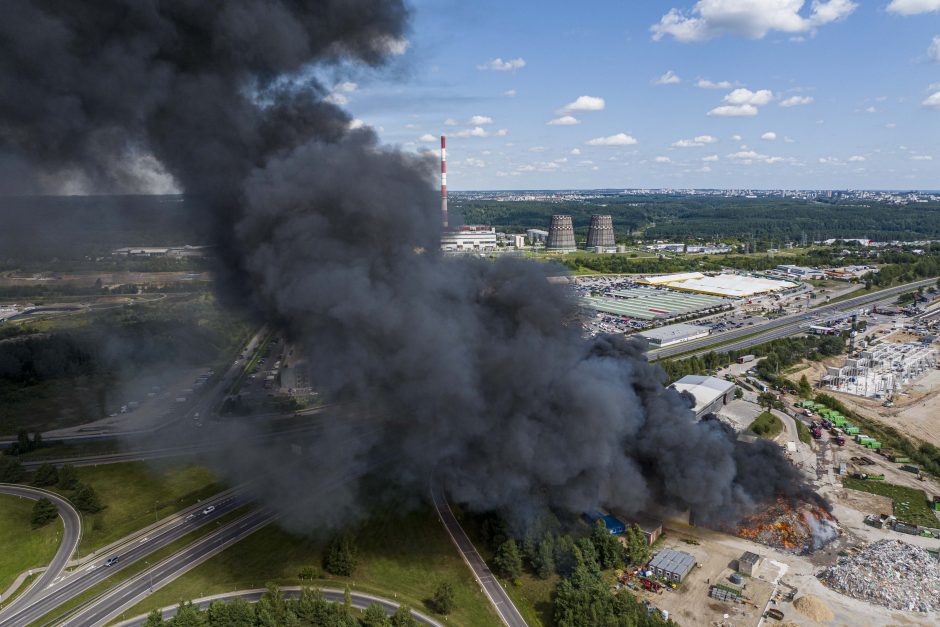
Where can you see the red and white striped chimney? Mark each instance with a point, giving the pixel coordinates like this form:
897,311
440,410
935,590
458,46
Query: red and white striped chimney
444,181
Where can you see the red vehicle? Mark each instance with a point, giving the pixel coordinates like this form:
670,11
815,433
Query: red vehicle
817,433
840,440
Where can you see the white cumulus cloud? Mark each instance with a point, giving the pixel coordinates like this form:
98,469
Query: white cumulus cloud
913,7
576,151
510,93
795,101
932,101
750,18
769,136
477,120
498,65
584,103
337,99
921,158
933,52
477,131
710,158
450,122
699,140
346,86
856,158
474,163
746,96
565,120
669,78
707,84
620,139
427,137
734,111
662,160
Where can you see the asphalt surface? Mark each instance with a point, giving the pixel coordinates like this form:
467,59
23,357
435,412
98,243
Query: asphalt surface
358,600
71,535
491,587
780,327
126,594
56,590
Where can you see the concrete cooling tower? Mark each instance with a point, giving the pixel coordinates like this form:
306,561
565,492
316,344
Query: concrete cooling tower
560,235
601,232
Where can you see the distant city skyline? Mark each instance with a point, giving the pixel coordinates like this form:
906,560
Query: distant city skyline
780,94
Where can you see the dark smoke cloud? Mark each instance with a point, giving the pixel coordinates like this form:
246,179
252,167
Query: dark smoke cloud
478,368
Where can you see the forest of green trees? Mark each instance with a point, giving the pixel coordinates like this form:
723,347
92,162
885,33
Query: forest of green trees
674,217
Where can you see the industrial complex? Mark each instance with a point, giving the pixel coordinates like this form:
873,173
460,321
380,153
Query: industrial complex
883,370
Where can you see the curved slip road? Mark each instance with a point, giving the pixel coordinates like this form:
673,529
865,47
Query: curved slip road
359,600
72,533
59,591
491,587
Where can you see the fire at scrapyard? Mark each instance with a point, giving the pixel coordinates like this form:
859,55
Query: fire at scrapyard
471,365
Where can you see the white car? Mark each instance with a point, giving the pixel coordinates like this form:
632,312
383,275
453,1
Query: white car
209,510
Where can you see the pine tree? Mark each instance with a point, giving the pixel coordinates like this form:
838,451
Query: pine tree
443,600
46,475
375,616
43,513
340,556
508,560
68,477
86,499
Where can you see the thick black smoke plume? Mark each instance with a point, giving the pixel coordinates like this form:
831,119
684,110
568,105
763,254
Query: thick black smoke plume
479,366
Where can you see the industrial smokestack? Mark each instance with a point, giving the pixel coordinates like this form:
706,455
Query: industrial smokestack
444,181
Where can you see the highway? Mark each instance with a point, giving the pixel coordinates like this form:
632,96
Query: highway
780,327
56,591
72,533
358,600
491,587
107,606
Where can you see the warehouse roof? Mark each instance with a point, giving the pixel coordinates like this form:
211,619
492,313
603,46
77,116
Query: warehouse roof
668,278
674,332
733,285
704,389
673,561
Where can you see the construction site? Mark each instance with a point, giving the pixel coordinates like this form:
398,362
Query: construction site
883,370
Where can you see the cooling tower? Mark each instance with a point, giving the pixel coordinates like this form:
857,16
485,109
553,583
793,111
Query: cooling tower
560,235
601,233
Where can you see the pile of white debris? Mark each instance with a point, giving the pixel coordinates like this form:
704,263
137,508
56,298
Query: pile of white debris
890,573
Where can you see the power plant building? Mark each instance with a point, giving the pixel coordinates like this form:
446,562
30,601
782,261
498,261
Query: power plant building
601,233
560,235
469,239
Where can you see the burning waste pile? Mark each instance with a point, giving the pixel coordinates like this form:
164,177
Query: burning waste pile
890,573
792,525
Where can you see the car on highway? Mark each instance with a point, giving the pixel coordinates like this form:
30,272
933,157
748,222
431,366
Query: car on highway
111,561
209,510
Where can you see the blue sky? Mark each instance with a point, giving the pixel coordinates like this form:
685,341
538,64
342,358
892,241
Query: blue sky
825,94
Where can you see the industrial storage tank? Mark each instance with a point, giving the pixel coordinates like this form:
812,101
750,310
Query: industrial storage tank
560,235
601,232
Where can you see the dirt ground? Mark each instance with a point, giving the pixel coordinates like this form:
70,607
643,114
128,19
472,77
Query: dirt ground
87,279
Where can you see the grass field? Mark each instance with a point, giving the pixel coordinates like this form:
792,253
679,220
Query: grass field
803,431
402,557
21,546
767,425
910,505
136,494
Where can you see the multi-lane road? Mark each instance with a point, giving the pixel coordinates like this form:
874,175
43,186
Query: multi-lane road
781,327
488,582
109,605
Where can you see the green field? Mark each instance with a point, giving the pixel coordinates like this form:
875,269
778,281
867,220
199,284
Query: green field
21,546
400,556
910,505
136,494
767,425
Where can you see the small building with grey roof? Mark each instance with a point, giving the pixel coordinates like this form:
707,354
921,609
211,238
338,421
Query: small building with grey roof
671,564
674,334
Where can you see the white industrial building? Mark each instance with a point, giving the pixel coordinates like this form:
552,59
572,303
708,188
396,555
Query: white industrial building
469,239
664,279
536,236
710,393
882,370
800,272
674,334
731,285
